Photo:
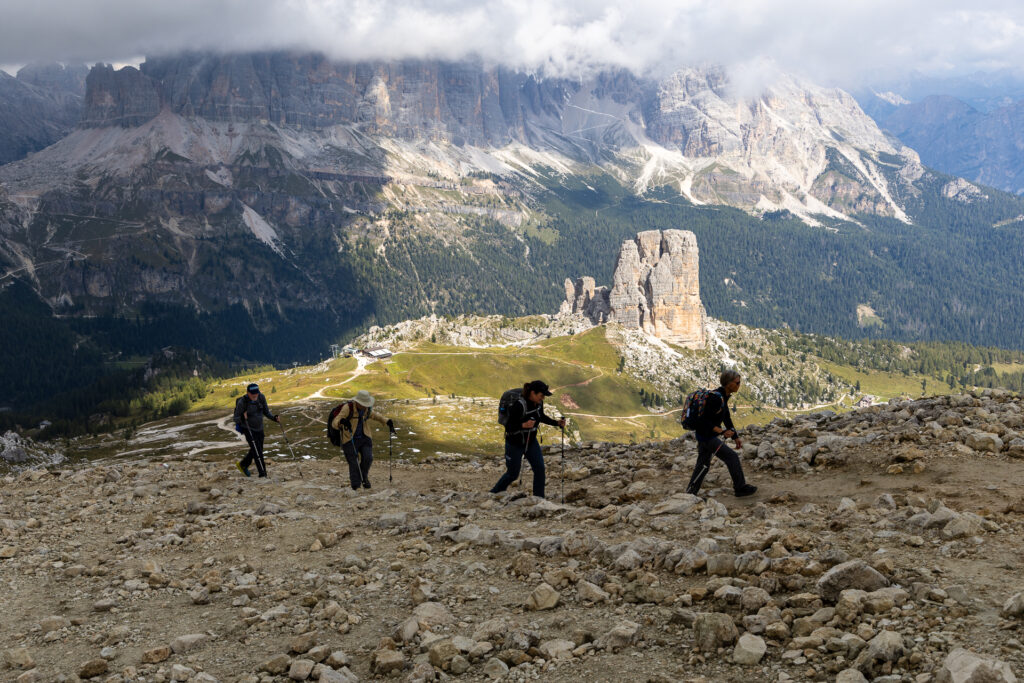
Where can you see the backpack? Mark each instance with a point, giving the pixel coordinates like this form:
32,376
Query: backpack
505,404
333,434
693,408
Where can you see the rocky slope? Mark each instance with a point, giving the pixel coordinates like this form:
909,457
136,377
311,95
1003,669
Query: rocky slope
893,558
38,107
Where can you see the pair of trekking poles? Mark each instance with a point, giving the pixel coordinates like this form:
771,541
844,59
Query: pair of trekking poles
259,451
561,482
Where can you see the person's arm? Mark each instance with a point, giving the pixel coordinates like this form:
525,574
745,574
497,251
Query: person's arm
239,412
341,417
550,421
266,409
516,413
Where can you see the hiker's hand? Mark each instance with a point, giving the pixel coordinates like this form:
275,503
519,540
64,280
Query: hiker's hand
529,424
277,419
391,425
561,423
739,442
347,424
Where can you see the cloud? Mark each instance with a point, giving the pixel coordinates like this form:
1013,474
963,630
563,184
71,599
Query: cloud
844,43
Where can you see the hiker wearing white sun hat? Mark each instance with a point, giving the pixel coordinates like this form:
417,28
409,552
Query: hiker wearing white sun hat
356,443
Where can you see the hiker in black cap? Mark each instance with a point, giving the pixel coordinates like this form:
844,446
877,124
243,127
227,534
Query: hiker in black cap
521,436
711,434
249,412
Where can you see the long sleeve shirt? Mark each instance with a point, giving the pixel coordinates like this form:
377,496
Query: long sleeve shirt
522,411
252,411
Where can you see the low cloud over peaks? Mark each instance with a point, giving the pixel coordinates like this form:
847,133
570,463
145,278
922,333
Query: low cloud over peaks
844,44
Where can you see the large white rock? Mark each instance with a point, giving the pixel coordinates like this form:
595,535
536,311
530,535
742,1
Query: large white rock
749,649
962,666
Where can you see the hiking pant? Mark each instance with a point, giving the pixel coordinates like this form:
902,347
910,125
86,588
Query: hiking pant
515,449
255,441
705,451
360,456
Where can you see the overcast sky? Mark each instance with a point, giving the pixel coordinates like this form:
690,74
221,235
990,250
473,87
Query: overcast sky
848,43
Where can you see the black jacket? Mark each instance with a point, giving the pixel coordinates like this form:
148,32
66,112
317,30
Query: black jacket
521,411
716,411
253,412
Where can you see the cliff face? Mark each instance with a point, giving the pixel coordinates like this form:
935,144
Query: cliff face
38,107
656,288
714,146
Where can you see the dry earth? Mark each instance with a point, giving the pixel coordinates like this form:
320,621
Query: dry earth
899,547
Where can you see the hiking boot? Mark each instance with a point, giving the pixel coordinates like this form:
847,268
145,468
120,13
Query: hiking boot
366,483
746,490
243,470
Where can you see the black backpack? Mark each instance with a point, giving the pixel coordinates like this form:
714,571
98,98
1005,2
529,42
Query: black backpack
333,434
693,408
505,404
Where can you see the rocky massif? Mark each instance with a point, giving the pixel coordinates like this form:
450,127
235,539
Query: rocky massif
893,558
38,107
656,289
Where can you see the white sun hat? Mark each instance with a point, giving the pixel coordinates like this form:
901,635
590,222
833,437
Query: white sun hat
364,399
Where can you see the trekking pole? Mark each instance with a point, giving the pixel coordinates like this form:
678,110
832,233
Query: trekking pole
562,483
259,451
391,434
285,432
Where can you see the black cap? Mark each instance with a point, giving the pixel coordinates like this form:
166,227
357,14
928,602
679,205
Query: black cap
539,386
253,388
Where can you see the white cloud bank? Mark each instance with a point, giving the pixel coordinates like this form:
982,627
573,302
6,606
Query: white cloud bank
847,43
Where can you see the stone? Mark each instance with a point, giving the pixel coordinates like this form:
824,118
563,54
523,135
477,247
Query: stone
850,676
984,441
459,665
188,643
963,666
887,646
712,630
277,664
156,655
433,614
302,643
721,564
557,649
385,661
678,504
406,630
543,597
691,561
749,650
338,659
1014,607
301,669
621,635
441,652
93,668
495,668
7,552
326,674
19,658
853,574
590,592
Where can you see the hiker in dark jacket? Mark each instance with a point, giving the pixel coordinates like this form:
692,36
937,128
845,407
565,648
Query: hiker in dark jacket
521,437
356,443
710,434
249,412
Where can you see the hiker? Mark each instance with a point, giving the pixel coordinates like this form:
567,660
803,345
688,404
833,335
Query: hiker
521,436
252,407
356,443
710,435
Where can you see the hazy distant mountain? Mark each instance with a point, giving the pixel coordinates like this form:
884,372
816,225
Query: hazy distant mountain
38,107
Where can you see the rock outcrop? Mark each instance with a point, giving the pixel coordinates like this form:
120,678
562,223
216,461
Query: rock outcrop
656,288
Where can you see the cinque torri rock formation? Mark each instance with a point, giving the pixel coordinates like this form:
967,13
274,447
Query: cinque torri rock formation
655,288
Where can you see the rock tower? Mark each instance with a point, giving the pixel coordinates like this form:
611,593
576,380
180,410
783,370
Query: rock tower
655,288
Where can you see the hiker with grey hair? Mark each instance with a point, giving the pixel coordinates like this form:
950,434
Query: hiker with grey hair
712,426
356,443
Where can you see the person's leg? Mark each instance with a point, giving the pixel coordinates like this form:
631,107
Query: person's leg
535,457
355,476
513,461
261,466
732,461
365,460
700,470
251,455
